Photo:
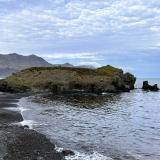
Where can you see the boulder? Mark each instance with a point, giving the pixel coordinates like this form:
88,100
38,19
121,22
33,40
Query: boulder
67,152
129,80
125,82
147,86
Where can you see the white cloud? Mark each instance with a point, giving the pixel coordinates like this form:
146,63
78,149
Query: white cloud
127,68
89,63
83,31
82,55
156,46
41,23
78,18
155,29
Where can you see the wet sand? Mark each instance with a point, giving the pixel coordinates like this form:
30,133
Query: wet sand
17,143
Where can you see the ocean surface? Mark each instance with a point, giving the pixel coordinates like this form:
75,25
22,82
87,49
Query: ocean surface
122,126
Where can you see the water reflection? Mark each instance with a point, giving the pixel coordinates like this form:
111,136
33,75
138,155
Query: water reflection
87,101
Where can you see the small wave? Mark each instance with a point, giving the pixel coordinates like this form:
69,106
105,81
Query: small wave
28,123
22,109
83,156
16,109
12,109
58,149
106,93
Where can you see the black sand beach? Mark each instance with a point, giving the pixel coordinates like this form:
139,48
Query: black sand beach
17,143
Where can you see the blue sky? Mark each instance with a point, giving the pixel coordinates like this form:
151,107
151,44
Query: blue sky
123,33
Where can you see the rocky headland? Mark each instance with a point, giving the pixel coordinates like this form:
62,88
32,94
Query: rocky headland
67,79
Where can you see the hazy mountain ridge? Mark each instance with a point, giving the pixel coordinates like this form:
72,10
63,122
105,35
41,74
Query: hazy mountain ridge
73,66
14,62
11,63
17,62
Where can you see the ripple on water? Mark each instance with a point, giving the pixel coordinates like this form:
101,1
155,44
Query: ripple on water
124,126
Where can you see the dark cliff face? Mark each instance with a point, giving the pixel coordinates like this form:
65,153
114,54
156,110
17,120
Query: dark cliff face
124,82
67,79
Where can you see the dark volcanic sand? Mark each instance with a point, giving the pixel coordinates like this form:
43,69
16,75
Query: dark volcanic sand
17,143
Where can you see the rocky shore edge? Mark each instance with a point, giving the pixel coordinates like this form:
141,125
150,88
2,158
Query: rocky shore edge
19,142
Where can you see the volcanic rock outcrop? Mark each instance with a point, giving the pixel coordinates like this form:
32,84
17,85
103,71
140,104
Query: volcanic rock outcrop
66,79
147,86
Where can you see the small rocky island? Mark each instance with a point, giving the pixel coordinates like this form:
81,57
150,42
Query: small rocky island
69,79
146,86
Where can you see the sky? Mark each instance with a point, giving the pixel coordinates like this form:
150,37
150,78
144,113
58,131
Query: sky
122,33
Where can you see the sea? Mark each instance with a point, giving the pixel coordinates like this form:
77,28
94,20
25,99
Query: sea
123,126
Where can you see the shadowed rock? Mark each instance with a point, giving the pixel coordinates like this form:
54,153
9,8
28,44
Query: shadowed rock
67,152
146,86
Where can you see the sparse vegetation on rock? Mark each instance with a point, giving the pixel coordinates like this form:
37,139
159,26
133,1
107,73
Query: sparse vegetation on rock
67,79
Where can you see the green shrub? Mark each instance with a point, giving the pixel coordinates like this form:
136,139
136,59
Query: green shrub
108,70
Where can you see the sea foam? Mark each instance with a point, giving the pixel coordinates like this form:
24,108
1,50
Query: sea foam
84,156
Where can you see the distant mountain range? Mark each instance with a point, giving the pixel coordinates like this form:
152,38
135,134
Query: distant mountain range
71,65
16,61
10,63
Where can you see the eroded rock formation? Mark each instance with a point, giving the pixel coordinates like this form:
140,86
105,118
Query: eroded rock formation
147,86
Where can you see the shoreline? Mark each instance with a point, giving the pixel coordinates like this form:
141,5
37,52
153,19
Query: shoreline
18,142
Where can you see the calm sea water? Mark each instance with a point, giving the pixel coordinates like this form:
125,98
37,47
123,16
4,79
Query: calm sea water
122,126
